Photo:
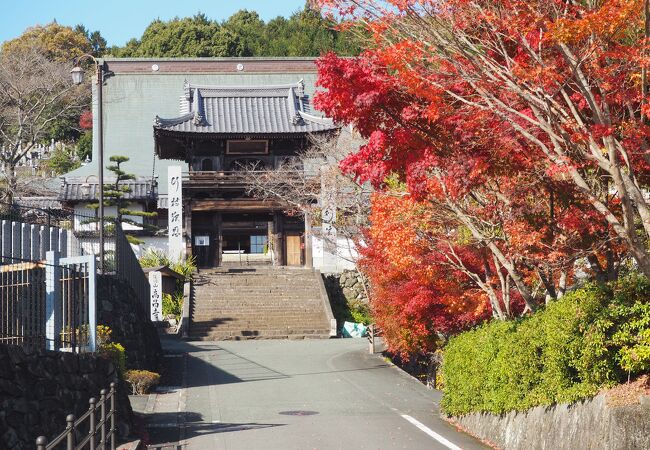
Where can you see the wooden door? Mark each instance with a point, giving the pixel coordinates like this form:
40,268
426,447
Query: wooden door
293,250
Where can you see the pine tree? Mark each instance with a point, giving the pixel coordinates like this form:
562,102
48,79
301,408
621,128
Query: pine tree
115,194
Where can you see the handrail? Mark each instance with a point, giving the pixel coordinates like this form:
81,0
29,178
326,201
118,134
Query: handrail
95,428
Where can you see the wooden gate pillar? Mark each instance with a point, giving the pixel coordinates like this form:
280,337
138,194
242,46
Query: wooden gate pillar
309,259
277,234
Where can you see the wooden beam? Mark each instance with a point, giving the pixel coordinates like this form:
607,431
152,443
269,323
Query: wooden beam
234,205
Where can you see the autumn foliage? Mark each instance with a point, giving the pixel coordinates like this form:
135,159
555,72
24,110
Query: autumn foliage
518,132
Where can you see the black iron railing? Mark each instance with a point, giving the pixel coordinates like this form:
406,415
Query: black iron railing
99,421
22,304
129,270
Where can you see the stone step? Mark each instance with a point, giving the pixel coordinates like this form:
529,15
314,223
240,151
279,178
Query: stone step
262,334
268,303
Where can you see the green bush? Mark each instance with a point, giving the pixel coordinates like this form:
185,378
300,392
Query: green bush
116,353
154,258
172,304
360,311
594,337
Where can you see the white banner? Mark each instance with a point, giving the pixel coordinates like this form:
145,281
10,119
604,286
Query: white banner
155,283
175,197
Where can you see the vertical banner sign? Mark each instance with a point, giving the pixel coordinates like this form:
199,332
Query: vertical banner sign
175,196
328,216
155,282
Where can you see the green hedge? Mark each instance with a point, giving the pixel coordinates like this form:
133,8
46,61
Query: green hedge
594,337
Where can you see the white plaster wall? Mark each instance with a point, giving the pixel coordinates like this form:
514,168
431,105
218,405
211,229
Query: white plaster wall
343,259
82,209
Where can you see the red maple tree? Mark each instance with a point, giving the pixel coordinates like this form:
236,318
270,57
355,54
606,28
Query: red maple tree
519,127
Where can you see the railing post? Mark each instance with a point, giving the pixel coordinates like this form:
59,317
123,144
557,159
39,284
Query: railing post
70,431
93,424
53,300
92,301
371,338
102,401
41,442
113,413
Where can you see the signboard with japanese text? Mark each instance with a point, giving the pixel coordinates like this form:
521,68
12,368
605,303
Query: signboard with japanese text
175,197
155,283
328,217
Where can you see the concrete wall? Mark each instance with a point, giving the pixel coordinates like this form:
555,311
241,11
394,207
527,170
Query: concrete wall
26,241
587,425
83,213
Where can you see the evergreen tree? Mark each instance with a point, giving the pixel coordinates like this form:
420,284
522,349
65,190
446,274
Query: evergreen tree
114,195
305,33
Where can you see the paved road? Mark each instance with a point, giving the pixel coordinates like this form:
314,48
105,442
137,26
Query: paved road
324,394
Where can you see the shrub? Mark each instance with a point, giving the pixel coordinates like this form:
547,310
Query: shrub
103,335
154,258
360,311
594,337
116,353
141,380
172,304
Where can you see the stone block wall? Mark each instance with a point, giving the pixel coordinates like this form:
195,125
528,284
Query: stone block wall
344,289
591,424
347,285
118,307
38,389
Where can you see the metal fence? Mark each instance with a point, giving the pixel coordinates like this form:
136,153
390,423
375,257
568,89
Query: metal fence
128,269
48,304
22,304
87,431
28,232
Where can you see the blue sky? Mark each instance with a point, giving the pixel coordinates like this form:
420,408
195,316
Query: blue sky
121,20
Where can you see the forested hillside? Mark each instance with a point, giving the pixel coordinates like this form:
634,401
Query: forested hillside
305,33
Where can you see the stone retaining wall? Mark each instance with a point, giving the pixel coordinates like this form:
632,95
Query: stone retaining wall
38,389
347,285
591,424
119,308
343,290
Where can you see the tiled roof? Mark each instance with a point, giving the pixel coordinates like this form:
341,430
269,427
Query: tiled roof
279,109
81,190
39,202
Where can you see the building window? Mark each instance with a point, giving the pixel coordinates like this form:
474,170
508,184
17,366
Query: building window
258,244
247,147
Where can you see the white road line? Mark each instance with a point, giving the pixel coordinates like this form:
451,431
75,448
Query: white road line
430,432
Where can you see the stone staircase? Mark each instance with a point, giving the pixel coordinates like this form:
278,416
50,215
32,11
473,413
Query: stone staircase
259,303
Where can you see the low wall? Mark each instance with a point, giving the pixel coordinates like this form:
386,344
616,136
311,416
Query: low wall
38,389
119,308
347,285
586,425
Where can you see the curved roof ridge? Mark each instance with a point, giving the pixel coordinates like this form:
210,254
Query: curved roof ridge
160,122
316,119
252,87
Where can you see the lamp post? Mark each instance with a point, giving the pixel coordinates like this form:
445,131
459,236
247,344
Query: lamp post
77,74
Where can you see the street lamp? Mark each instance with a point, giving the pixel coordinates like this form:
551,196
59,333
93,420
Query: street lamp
77,74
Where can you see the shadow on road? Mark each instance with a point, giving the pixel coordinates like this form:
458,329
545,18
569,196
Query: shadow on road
164,428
